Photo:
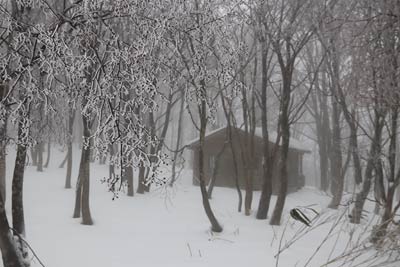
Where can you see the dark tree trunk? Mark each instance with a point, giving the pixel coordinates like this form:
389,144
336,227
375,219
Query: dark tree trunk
39,152
140,189
46,165
10,254
337,180
78,196
3,145
129,178
285,131
82,190
229,135
215,172
366,185
250,147
3,157
322,121
71,118
2,173
34,155
69,167
17,189
235,164
64,161
178,139
84,173
393,179
266,191
215,226
111,168
17,192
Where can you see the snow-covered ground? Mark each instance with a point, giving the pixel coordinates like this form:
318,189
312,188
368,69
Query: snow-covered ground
167,227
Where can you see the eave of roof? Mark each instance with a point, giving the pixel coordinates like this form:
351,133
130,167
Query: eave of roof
293,143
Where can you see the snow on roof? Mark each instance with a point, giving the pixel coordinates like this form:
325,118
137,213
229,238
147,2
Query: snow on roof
293,143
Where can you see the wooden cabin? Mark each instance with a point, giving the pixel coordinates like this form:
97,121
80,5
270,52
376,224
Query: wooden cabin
214,146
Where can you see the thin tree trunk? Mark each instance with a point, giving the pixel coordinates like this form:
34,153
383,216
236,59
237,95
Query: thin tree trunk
39,152
86,216
228,115
266,191
46,165
3,145
366,185
64,161
71,119
285,131
78,196
111,168
17,189
34,155
129,178
337,181
69,167
140,189
178,139
393,179
215,172
3,157
215,226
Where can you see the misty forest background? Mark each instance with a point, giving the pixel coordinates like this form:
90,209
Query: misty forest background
132,82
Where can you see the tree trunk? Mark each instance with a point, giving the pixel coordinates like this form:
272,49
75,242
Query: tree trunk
2,173
3,145
129,178
140,189
84,173
322,121
71,118
82,191
10,254
39,152
111,168
3,162
228,115
17,189
17,192
393,179
34,155
69,167
266,191
337,180
178,139
46,165
78,196
215,226
285,131
64,161
215,172
366,185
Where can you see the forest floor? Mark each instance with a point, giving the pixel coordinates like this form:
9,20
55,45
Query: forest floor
168,226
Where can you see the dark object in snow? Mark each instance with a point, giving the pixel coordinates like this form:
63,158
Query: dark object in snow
298,215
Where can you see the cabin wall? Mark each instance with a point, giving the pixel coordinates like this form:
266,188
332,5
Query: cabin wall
226,171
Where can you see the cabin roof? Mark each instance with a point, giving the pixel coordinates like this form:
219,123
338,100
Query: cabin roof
294,144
